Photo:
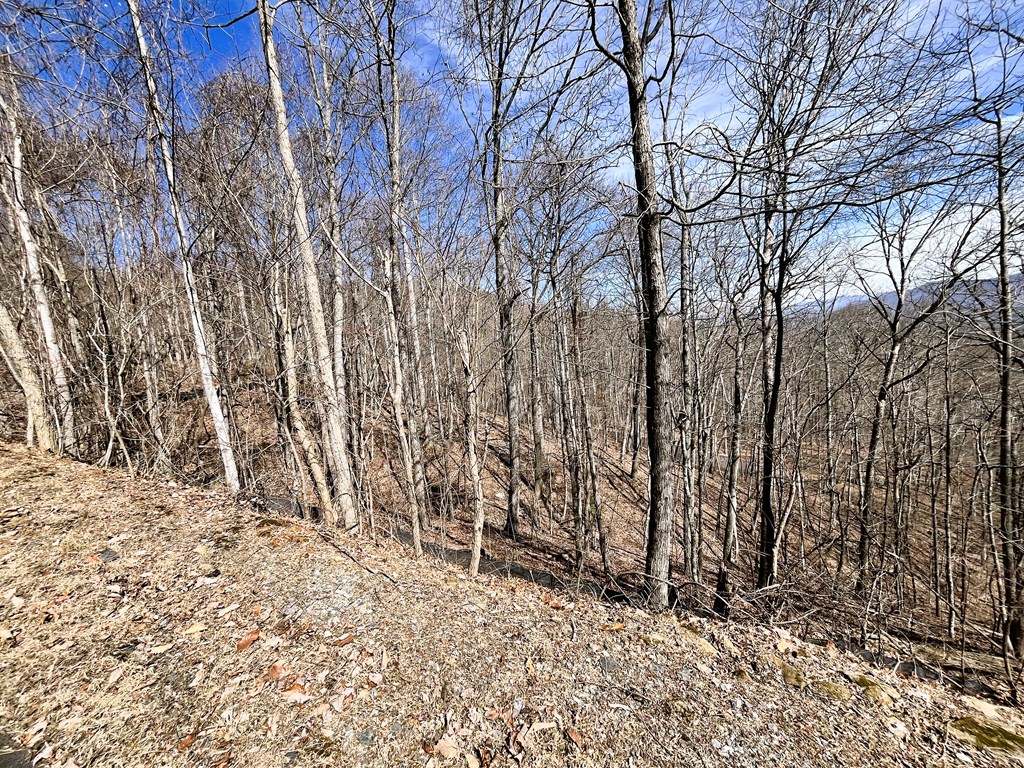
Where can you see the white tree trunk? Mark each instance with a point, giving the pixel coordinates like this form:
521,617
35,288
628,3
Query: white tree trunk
346,502
163,148
15,197
309,448
28,379
471,415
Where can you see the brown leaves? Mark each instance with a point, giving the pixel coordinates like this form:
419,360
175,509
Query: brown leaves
277,672
552,601
292,687
339,703
447,748
574,736
618,626
295,694
34,735
248,639
188,741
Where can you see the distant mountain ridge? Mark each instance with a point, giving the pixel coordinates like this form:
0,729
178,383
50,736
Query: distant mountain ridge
970,297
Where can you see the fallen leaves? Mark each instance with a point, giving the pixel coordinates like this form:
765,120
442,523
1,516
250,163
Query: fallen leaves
447,748
188,741
551,601
44,754
518,688
34,735
295,694
17,603
277,671
113,677
248,639
574,736
339,703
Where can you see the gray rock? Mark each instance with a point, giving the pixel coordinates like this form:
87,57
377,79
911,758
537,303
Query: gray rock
367,737
18,758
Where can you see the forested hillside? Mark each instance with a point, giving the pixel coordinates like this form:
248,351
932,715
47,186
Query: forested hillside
713,306
145,623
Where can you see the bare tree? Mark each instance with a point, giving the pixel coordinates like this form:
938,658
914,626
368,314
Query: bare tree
636,35
163,147
337,406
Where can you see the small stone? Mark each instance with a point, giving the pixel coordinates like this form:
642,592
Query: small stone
882,695
897,728
877,695
833,690
124,650
692,638
367,737
108,555
792,676
608,664
680,706
728,646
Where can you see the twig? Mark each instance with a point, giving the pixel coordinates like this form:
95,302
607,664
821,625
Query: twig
352,557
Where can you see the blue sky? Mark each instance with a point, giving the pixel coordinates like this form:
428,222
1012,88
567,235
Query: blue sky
221,47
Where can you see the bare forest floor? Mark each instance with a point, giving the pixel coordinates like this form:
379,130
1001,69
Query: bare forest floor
151,624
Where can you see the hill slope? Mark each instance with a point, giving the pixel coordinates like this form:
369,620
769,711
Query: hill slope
145,624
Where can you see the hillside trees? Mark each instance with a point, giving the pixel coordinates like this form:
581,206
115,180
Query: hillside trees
395,266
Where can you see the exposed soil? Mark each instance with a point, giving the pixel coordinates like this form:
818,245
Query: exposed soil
150,624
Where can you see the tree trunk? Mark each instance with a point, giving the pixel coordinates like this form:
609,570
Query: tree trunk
346,503
162,143
472,413
38,430
291,381
654,289
15,198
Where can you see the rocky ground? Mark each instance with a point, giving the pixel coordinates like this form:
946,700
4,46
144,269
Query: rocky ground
147,624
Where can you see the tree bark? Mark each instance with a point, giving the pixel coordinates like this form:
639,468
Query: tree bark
161,139
15,198
38,430
346,505
654,289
